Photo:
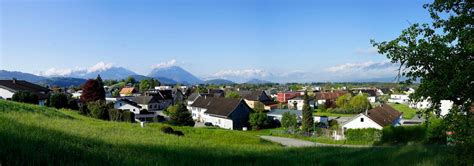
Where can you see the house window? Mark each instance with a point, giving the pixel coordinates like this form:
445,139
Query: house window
120,104
361,119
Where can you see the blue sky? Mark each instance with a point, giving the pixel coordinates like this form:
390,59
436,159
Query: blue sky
301,40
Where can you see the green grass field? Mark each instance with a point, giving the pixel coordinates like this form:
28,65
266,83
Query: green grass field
408,113
33,135
329,114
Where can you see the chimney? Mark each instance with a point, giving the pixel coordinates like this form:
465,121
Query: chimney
366,111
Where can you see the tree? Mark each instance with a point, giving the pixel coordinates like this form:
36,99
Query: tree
130,80
25,97
153,83
308,120
259,120
359,103
440,56
144,85
233,95
99,80
180,115
289,120
344,101
58,100
92,91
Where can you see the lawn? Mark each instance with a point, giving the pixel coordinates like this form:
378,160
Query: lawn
408,113
33,135
319,113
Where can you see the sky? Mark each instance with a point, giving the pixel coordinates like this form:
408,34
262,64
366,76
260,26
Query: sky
281,39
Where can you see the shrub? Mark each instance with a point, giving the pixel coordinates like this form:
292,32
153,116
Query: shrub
25,97
99,109
178,133
73,104
115,115
363,135
167,129
58,100
84,110
259,120
289,120
403,134
180,116
128,116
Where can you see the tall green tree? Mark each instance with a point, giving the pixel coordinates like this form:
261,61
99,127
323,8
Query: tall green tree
440,55
58,100
233,95
308,120
344,101
144,85
360,103
179,115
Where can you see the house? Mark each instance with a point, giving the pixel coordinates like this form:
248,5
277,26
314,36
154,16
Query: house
164,97
140,115
399,98
77,94
226,113
371,94
256,98
277,114
328,98
299,102
377,118
178,95
9,87
191,98
128,91
149,103
283,97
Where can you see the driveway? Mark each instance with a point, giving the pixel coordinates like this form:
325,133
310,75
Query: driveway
291,142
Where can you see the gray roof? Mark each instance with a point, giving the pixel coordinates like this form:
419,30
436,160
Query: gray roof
20,85
144,99
218,105
193,96
130,102
282,111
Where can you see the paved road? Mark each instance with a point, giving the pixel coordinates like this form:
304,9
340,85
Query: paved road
291,142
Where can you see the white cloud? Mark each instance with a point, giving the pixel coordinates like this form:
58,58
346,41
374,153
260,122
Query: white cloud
363,70
165,64
101,66
367,51
246,73
56,72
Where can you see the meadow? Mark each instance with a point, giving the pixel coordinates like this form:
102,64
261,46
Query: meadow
408,113
34,135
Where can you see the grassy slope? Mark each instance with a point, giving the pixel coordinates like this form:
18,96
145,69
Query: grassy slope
44,135
408,112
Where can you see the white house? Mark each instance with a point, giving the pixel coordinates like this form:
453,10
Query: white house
399,98
299,102
125,104
148,103
222,112
445,105
377,118
9,87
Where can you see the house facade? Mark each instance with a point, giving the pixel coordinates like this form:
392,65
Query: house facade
256,99
399,98
222,112
299,102
328,98
283,97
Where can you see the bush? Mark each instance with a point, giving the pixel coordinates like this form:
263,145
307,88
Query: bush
289,120
363,135
115,115
259,120
180,116
99,109
25,97
128,116
58,100
166,129
169,130
84,110
73,104
403,134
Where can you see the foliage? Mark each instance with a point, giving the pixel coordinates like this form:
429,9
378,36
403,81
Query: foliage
289,120
440,56
25,97
403,135
99,109
344,101
179,115
363,135
144,85
333,124
130,80
92,91
169,130
115,115
128,116
359,103
295,87
307,121
58,100
73,104
259,120
233,95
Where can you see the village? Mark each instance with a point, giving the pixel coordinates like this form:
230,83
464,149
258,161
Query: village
334,110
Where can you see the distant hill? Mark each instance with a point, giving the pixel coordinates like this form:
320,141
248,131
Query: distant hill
62,81
257,81
175,73
8,75
219,82
113,73
162,80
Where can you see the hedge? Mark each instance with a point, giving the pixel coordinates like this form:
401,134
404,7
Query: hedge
363,135
403,134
